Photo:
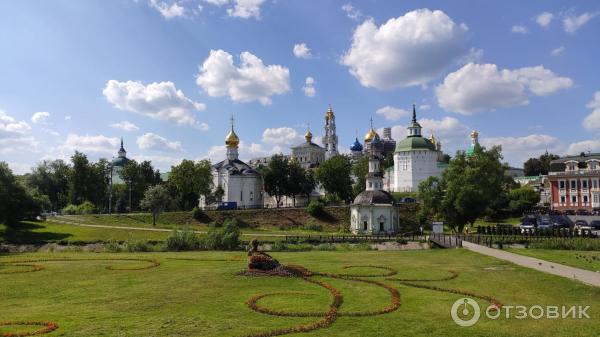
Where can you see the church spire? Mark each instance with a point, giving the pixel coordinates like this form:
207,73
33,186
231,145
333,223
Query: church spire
415,128
231,142
122,152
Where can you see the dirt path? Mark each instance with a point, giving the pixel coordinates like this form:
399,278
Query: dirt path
585,276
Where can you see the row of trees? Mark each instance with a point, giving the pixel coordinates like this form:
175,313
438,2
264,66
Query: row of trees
282,177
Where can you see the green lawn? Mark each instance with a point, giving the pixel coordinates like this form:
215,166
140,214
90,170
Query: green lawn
589,260
44,232
203,296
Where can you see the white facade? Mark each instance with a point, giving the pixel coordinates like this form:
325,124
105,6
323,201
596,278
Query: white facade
240,183
415,159
412,167
374,219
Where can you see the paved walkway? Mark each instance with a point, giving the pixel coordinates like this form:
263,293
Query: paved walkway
148,229
585,276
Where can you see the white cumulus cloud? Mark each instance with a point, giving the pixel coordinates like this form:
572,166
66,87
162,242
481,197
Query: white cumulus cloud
90,144
158,100
15,136
592,121
125,126
572,22
251,81
583,146
482,87
408,50
282,135
302,51
391,113
544,19
152,141
40,117
245,9
309,87
168,11
516,150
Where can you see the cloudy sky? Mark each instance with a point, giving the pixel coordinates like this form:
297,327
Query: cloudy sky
166,75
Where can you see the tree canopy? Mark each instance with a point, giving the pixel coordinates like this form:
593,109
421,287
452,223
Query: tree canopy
190,180
467,188
540,165
334,176
156,198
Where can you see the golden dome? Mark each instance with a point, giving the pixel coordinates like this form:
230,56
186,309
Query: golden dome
370,135
308,136
232,139
474,134
432,139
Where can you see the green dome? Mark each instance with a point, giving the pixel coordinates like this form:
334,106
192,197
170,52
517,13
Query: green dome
415,143
120,161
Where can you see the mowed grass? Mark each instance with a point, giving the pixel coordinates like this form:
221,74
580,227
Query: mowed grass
589,260
203,296
47,232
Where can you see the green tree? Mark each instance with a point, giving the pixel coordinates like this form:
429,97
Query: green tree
469,186
540,165
359,170
522,199
155,200
308,184
298,181
16,203
51,178
190,180
275,177
334,176
431,194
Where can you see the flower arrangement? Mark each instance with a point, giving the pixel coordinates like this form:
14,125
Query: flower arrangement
46,328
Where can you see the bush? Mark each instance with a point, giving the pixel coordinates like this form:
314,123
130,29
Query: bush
70,209
139,246
315,208
197,213
183,240
313,226
86,208
226,238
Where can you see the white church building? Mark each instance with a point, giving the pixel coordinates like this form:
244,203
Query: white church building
240,182
416,158
374,210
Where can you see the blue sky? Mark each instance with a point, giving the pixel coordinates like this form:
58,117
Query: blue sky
167,75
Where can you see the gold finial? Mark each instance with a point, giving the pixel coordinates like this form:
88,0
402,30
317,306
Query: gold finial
371,134
474,134
232,140
308,135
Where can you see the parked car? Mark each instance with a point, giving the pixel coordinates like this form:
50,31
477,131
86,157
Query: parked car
546,224
570,212
595,227
408,200
527,227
